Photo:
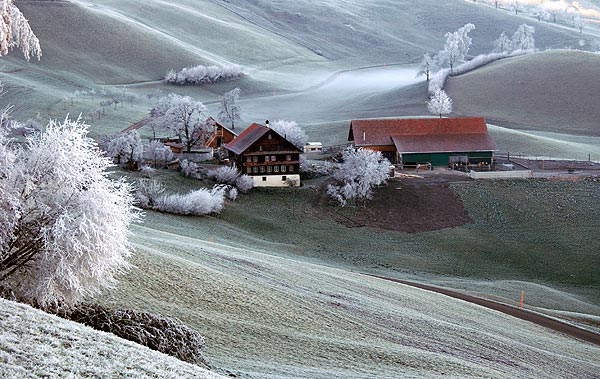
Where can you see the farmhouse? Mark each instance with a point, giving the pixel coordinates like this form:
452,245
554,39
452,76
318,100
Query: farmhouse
438,141
270,159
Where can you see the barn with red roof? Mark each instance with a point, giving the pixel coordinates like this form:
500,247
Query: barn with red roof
438,141
269,158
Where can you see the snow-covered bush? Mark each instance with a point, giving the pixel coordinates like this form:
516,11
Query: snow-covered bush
244,183
360,171
147,171
64,236
290,131
438,80
189,169
196,203
148,192
315,169
198,75
158,333
224,175
232,194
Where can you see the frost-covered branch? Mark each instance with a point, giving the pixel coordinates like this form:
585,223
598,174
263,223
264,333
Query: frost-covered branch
15,32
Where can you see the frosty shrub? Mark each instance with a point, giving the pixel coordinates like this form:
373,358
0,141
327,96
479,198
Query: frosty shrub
244,183
148,192
166,335
290,131
147,171
224,175
199,75
315,169
232,194
195,203
65,222
360,171
189,169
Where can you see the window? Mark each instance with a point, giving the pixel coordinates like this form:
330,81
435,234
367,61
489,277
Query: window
276,168
260,148
255,159
264,178
283,168
262,169
255,170
248,159
249,170
283,178
266,158
269,169
270,136
291,168
288,158
273,158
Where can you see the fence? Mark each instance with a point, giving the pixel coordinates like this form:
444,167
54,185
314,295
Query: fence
518,174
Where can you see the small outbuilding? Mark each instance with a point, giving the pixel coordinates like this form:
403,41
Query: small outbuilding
435,141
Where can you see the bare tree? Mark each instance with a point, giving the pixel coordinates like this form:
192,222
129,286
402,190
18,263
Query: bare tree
230,111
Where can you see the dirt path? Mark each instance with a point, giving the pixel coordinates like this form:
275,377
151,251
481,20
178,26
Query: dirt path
536,318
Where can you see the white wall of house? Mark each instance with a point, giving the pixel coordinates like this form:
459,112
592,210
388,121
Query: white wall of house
276,180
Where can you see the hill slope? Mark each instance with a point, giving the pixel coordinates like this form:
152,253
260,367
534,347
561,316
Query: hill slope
34,344
553,91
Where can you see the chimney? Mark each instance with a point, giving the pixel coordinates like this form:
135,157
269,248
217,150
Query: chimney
267,123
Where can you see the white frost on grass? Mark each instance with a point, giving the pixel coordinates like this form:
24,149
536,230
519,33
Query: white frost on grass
35,344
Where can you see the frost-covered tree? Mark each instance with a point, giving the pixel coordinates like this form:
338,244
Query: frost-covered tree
360,171
230,111
15,32
456,47
185,118
189,169
502,44
515,5
426,66
523,38
125,148
158,152
290,131
440,103
65,237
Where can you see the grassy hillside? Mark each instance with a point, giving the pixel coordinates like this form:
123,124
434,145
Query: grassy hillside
554,91
34,344
267,315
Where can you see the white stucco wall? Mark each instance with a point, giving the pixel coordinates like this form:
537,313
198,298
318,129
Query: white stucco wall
275,180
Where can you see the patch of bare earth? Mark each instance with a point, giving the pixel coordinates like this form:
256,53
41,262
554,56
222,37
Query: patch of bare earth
410,205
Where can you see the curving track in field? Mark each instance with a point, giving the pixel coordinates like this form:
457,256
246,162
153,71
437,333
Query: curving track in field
522,314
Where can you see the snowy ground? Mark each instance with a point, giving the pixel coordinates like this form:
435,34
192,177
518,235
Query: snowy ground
34,344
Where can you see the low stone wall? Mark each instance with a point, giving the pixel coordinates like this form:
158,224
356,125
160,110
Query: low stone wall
518,174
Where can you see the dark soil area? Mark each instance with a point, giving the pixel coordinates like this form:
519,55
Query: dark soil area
411,205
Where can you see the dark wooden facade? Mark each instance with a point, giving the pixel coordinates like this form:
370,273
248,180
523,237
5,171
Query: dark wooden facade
264,154
222,136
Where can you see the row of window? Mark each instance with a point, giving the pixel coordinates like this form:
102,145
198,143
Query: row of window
268,158
270,169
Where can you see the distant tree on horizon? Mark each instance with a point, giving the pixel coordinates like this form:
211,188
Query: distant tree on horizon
503,44
427,66
456,47
523,38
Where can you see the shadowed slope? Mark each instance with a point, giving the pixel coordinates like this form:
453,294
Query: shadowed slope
554,91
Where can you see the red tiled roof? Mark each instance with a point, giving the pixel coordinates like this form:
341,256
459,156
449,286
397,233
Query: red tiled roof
444,143
424,134
247,138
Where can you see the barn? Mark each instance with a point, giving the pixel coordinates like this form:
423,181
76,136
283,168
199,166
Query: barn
438,141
